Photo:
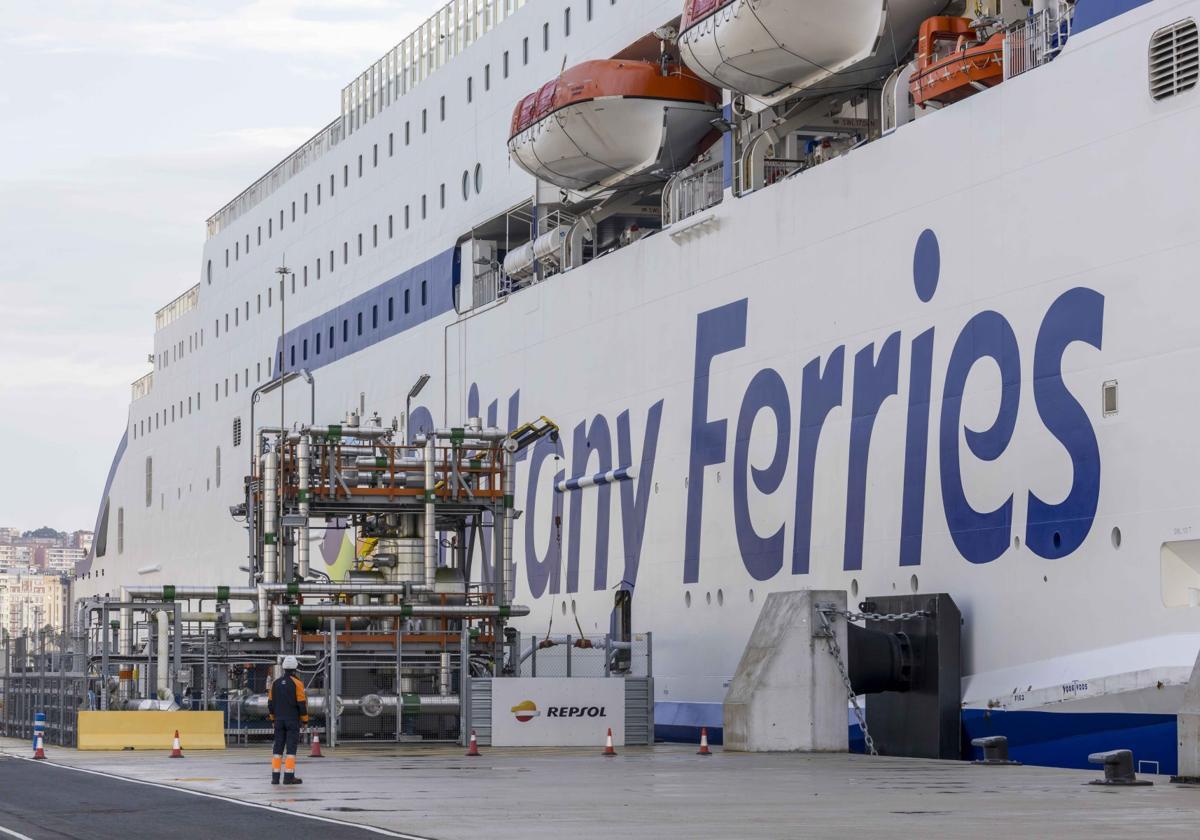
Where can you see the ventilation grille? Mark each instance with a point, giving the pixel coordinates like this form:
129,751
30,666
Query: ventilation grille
1174,59
237,431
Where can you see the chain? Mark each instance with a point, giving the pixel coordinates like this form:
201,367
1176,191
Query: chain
867,616
836,651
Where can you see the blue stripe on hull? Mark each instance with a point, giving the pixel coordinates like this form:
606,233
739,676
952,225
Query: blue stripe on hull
1089,13
1049,739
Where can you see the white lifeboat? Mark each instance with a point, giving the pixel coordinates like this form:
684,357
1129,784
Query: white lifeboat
603,123
777,47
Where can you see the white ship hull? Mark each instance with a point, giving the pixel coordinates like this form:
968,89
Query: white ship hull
1065,226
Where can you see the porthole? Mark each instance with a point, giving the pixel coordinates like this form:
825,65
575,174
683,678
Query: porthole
1017,543
720,598
687,599
478,178
564,607
708,598
854,588
572,606
466,185
913,584
1116,537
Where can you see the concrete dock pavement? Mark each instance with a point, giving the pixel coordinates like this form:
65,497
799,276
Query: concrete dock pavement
662,792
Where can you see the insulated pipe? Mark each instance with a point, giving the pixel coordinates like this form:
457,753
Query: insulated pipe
316,588
270,546
400,610
503,567
430,518
164,656
305,465
181,593
211,617
126,624
364,432
255,705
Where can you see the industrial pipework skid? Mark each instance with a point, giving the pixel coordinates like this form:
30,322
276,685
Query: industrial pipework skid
387,649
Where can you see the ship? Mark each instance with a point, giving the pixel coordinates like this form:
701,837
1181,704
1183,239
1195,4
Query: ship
882,297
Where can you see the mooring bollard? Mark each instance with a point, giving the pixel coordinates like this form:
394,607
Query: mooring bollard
995,750
1118,768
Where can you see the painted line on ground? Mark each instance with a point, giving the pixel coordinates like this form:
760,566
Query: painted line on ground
12,833
276,809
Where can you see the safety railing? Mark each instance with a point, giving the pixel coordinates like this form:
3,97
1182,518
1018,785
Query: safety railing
1032,42
177,308
776,169
38,683
693,191
586,656
143,386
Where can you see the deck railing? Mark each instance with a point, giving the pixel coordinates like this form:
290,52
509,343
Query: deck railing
177,308
1032,42
143,386
693,191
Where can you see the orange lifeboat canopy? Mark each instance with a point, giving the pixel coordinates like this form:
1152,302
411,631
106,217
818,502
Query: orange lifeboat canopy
952,63
608,122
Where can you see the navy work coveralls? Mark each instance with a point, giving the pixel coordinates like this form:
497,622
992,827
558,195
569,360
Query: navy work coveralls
287,707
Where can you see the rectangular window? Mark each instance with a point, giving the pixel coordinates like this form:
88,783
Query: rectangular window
318,348
424,207
332,265
391,144
270,296
424,120
346,173
545,37
237,251
524,50
304,347
470,89
589,9
504,69
331,338
406,306
406,214
259,242
258,308
318,195
306,276
567,22
442,109
227,258
360,244
424,297
293,214
345,330
442,197
375,316
391,309
318,268
306,204
374,236
390,227
375,155
332,184
358,323
487,77
407,133
345,253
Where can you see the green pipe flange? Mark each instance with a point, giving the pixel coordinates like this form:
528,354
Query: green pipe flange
168,593
222,593
410,703
269,538
293,588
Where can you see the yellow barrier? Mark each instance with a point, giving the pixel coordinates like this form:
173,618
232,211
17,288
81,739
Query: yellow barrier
151,730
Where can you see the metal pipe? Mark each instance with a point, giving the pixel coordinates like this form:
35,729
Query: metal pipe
270,462
503,566
305,463
363,432
163,687
444,674
401,610
430,518
255,705
331,588
250,618
182,593
125,646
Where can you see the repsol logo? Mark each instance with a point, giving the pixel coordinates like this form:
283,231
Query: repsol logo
576,712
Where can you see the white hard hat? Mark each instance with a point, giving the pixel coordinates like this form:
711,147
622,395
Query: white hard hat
290,663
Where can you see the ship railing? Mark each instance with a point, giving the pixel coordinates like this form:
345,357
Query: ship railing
1036,40
281,173
693,191
445,34
776,169
177,308
143,386
489,286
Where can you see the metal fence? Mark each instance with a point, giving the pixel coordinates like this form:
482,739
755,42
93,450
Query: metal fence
1036,40
693,191
36,676
587,656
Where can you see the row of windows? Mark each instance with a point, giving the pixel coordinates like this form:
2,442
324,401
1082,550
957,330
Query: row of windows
389,310
243,244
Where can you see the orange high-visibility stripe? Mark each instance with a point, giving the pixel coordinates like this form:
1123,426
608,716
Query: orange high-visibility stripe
276,762
300,698
290,765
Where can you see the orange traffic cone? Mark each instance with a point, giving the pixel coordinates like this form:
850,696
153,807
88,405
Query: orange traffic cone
704,750
316,747
176,750
608,745
473,746
38,752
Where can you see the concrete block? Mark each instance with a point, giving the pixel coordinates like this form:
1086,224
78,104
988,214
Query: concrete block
1189,729
151,730
787,693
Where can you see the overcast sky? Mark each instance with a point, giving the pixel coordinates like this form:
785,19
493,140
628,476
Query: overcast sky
126,123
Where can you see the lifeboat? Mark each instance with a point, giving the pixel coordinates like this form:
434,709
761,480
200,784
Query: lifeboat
764,47
604,123
952,63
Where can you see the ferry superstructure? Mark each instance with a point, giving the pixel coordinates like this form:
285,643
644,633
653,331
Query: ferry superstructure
851,342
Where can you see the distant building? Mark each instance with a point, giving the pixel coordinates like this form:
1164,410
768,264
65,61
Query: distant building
16,556
82,540
62,560
9,535
30,602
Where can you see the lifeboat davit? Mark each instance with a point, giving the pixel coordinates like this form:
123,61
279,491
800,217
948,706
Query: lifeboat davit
608,122
952,63
761,47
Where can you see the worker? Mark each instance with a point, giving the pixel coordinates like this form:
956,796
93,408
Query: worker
288,709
